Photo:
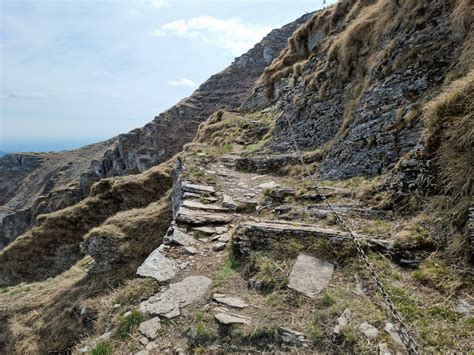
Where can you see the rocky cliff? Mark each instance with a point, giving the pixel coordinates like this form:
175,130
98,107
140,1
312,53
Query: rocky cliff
32,184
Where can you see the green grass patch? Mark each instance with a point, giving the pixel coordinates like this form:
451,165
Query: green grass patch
129,323
103,348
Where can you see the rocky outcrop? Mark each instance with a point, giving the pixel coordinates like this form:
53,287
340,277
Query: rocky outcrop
35,183
354,94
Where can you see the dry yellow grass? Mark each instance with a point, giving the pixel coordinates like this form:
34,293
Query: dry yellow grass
53,246
449,134
46,316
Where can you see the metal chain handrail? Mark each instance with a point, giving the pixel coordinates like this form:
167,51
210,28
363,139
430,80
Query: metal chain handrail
408,339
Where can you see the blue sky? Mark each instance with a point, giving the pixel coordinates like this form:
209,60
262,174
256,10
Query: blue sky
75,72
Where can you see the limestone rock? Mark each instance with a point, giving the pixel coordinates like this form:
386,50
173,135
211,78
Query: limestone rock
228,318
180,294
196,205
310,275
194,217
158,266
268,185
341,323
150,328
224,238
181,238
369,330
228,202
393,331
235,302
219,246
174,313
293,337
197,189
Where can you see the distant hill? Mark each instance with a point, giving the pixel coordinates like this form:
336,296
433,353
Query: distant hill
3,153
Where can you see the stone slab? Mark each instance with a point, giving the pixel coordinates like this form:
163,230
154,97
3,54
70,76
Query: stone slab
158,266
310,275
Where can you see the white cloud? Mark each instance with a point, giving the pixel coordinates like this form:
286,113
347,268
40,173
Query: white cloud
23,95
231,34
155,3
182,82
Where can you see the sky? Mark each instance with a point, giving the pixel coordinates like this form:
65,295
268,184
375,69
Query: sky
75,72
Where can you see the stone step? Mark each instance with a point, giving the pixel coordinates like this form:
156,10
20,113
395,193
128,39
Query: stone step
252,235
196,205
197,217
197,189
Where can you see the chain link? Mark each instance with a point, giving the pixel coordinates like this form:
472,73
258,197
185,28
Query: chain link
408,339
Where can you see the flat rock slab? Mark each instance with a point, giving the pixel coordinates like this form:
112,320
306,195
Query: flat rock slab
228,318
180,294
310,275
181,238
197,189
229,301
283,228
293,337
150,328
195,217
158,266
196,205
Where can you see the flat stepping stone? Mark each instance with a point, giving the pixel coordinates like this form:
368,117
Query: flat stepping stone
268,185
229,301
228,318
195,217
310,275
158,266
150,328
196,205
197,189
180,238
180,294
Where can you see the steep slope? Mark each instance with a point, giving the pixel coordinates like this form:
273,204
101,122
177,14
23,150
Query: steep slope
38,183
354,80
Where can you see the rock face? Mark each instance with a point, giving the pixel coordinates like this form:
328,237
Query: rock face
364,120
35,183
27,180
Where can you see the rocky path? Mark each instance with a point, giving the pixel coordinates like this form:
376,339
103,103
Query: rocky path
192,264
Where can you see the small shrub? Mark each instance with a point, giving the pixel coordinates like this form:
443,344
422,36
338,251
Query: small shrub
103,348
129,323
